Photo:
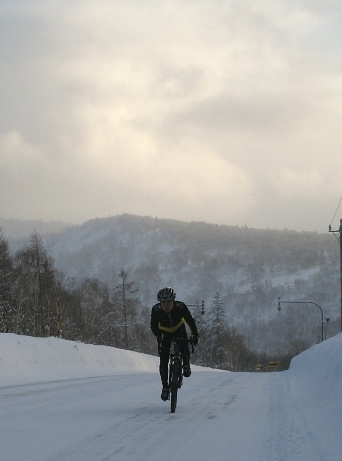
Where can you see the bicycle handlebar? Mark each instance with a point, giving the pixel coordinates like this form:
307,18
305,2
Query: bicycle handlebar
190,341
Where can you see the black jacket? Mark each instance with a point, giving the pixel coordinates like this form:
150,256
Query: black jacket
162,322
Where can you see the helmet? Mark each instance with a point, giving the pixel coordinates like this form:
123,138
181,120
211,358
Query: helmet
166,294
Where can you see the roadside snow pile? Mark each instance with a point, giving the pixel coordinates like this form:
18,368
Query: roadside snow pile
316,374
27,360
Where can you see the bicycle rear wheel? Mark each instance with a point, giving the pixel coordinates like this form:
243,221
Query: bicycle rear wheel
174,383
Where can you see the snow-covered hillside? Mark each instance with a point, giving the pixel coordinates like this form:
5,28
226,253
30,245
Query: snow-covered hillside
68,401
249,268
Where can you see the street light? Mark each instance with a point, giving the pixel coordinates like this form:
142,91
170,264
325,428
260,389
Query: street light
303,302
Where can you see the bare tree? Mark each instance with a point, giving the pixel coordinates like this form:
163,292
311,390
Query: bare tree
94,305
36,287
6,283
125,306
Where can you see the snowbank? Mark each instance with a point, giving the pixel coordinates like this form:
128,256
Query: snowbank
315,375
27,360
317,372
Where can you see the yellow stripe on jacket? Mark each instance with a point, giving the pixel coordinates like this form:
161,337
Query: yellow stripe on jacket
171,329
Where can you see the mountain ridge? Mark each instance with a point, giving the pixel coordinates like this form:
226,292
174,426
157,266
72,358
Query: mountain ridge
249,268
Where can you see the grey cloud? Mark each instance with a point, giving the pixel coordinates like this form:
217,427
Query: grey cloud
254,86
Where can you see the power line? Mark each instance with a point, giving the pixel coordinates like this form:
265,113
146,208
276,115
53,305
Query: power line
336,212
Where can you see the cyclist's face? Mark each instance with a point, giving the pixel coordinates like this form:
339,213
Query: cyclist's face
167,306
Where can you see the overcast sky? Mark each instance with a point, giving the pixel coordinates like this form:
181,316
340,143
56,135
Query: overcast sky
223,111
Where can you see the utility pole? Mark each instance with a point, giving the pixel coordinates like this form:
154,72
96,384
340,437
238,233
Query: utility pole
340,240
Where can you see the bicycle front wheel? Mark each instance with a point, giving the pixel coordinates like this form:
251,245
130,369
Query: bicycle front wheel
174,384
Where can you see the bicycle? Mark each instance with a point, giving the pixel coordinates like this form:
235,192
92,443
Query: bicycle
175,370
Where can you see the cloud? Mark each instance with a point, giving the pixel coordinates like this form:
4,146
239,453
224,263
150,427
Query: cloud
292,184
218,111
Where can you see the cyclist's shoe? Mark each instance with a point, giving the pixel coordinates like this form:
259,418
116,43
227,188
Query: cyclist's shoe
165,393
186,371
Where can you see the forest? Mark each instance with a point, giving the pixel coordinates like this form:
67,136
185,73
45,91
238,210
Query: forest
37,300
96,283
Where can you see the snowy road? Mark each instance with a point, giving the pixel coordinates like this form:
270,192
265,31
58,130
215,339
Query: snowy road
220,416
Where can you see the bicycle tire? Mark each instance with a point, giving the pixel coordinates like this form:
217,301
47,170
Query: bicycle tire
174,384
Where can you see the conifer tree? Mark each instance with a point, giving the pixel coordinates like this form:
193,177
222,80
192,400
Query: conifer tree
217,330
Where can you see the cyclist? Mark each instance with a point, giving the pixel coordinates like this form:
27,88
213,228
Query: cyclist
167,321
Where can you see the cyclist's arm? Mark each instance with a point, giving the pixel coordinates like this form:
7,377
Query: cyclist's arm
189,320
154,322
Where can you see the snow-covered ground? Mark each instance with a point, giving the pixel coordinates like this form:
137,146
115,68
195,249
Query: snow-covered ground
63,400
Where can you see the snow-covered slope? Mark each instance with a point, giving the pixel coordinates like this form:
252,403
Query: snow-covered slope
94,403
27,360
317,374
